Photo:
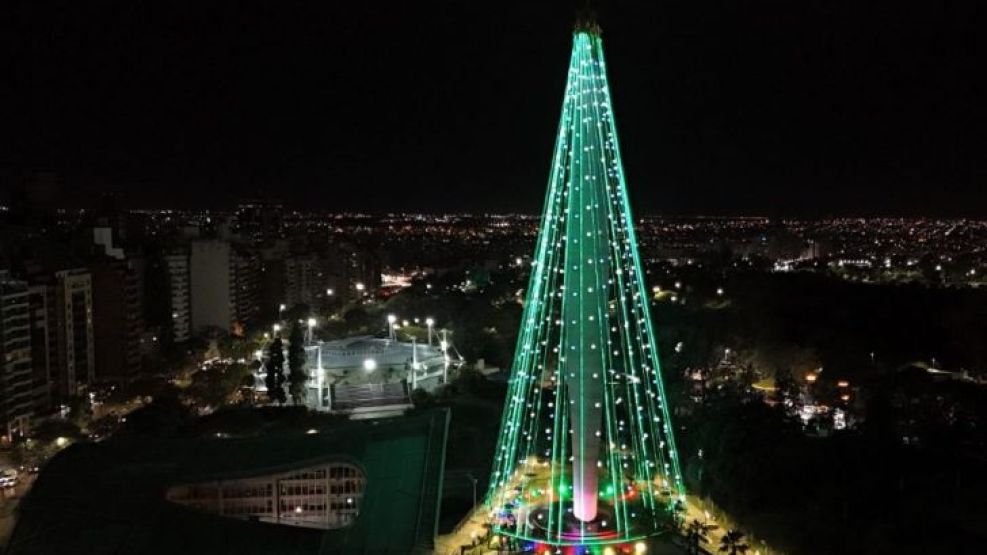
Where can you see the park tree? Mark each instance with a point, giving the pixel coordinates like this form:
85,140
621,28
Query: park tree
274,378
297,376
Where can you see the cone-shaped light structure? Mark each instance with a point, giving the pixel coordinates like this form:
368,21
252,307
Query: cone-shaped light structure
586,452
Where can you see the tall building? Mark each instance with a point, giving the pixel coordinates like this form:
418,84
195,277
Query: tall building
304,280
68,296
39,298
353,269
118,320
210,284
177,266
16,379
118,315
224,284
245,278
586,453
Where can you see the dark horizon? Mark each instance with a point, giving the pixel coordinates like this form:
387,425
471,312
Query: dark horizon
767,109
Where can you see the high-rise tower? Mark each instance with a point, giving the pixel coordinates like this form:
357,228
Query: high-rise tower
586,452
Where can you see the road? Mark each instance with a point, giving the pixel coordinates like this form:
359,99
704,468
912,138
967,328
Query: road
9,498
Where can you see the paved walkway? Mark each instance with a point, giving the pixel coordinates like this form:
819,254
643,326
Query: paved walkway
709,514
469,532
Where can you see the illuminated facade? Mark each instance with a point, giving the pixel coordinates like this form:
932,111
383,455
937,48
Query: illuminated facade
325,496
586,453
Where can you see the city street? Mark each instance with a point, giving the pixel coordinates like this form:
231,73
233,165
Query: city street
9,499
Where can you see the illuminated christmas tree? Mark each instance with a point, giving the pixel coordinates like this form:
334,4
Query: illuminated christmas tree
586,453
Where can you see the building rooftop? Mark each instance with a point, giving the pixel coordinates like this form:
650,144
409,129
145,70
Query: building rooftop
109,497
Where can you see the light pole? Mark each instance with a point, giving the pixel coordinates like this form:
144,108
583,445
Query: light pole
281,309
391,319
470,477
430,322
277,329
444,344
311,325
414,364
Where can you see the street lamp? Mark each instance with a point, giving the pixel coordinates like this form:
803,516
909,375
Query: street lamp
311,325
430,322
391,319
276,328
473,479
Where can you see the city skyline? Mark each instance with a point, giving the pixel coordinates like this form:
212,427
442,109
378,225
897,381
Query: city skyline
275,276
825,110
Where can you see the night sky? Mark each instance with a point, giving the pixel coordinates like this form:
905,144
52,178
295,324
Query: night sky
784,107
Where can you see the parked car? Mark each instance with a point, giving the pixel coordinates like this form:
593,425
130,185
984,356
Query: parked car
8,478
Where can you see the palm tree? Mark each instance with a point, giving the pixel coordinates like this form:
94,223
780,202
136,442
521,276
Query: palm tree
694,534
733,543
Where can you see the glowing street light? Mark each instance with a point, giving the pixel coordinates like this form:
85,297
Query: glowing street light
391,319
430,322
330,292
276,328
360,286
311,325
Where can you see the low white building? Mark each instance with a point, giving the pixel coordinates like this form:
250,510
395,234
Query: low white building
325,496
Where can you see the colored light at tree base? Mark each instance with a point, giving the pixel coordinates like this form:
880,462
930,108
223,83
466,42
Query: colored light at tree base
636,548
586,454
